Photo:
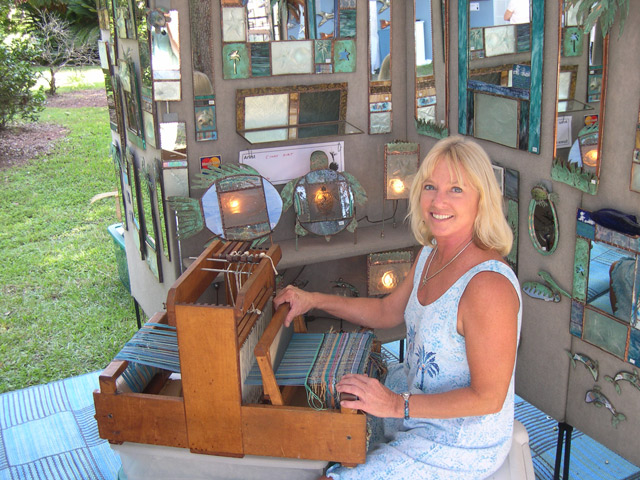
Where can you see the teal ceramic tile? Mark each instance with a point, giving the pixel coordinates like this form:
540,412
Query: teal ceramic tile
344,56
235,61
322,50
604,332
260,59
577,312
347,23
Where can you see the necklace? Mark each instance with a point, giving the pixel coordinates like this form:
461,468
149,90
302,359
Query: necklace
428,277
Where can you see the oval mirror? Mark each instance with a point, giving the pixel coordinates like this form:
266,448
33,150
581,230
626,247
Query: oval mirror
543,220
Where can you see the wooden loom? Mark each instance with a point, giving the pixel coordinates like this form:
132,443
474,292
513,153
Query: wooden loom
203,409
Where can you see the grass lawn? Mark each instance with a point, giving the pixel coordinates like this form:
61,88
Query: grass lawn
63,309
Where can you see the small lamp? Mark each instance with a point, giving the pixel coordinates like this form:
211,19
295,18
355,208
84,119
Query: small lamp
400,166
386,270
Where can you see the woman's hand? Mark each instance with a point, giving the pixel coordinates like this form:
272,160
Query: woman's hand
299,302
373,397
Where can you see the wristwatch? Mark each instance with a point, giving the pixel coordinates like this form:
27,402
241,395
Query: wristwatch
406,396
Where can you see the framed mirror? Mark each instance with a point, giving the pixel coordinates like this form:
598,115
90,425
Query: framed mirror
274,114
162,208
164,27
280,37
634,184
544,230
130,88
120,170
431,35
136,211
606,286
582,78
500,68
204,98
509,182
380,106
151,220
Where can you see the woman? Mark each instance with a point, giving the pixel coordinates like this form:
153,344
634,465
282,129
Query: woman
448,410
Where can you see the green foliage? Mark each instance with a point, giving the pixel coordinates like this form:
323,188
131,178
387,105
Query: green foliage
18,99
63,308
591,12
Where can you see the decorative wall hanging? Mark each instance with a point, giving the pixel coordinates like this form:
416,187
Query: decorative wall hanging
500,103
431,93
162,209
281,37
635,164
151,220
238,204
632,378
204,98
380,47
128,80
597,398
401,160
606,283
324,200
136,211
540,291
121,175
147,104
543,220
387,270
509,183
591,365
273,114
581,87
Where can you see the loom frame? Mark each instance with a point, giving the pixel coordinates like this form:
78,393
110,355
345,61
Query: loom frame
208,416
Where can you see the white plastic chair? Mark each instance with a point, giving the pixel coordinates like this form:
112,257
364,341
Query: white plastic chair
518,465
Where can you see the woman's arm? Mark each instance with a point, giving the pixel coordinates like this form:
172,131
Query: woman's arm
488,319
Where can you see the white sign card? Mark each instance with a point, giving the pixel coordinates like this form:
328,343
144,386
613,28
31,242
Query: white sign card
279,165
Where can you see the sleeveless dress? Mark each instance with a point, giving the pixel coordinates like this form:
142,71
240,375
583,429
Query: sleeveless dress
424,448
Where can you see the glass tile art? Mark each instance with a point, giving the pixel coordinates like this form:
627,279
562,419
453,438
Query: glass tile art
260,59
500,40
291,57
604,332
344,56
496,119
380,122
266,111
233,22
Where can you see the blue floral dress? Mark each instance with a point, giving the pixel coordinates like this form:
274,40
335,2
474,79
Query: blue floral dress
424,448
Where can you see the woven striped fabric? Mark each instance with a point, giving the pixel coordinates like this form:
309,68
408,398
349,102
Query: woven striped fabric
154,345
318,362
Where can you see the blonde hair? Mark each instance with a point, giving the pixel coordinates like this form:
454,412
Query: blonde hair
490,229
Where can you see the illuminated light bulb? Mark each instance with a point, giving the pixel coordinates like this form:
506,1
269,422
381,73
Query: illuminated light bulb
388,279
234,205
324,200
590,158
397,185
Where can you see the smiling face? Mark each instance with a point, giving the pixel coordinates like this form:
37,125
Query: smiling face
449,204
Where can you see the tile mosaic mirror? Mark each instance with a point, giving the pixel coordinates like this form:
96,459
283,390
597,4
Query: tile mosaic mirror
606,285
148,106
582,66
204,98
509,182
281,37
274,114
431,67
500,63
380,106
